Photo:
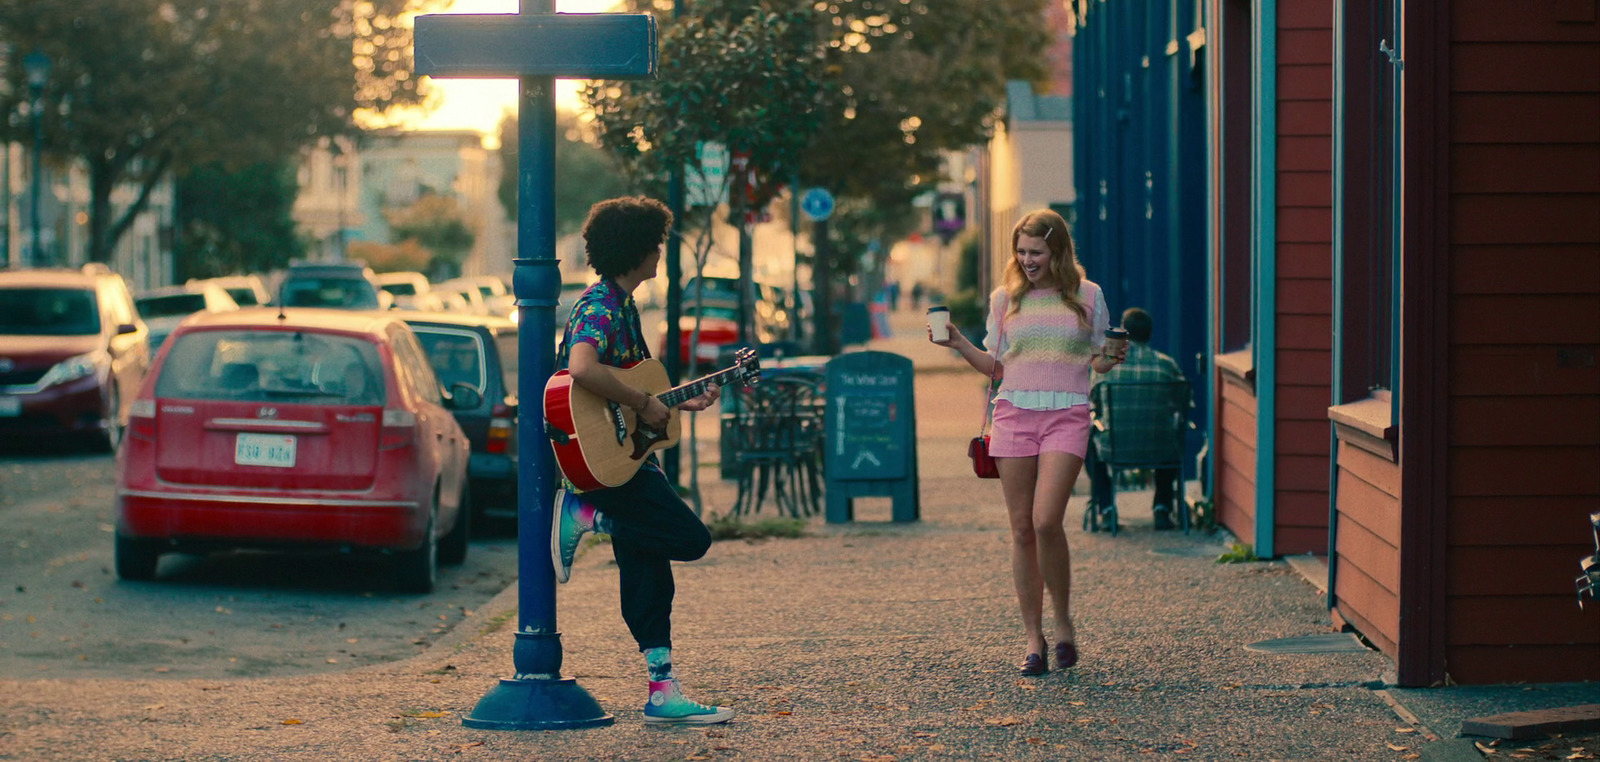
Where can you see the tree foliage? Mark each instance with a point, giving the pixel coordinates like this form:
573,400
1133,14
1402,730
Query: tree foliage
746,75
585,173
898,84
235,221
140,87
437,224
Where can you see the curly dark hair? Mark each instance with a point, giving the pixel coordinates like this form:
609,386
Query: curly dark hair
621,232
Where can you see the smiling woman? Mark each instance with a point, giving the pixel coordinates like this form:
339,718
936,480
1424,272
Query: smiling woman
480,104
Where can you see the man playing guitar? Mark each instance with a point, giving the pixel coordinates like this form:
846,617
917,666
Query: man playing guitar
649,524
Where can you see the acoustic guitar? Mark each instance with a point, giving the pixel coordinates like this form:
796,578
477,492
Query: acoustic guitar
600,443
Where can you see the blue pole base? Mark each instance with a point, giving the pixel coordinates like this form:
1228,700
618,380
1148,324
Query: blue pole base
537,704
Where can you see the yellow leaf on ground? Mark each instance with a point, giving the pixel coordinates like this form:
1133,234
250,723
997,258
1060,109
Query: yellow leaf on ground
1004,721
293,721
1396,747
428,715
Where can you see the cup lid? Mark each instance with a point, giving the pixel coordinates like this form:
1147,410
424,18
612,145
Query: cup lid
938,309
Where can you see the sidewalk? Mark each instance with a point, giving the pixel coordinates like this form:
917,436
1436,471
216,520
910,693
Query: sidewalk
870,640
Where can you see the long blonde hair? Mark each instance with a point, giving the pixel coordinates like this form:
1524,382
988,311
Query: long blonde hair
1064,267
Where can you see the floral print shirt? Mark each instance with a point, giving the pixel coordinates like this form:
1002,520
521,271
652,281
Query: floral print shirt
606,317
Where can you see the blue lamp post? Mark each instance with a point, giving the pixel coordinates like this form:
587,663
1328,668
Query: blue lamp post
37,65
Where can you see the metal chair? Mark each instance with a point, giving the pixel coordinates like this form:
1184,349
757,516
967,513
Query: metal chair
778,429
1138,425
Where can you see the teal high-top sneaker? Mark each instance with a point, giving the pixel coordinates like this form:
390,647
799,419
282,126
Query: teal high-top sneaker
667,703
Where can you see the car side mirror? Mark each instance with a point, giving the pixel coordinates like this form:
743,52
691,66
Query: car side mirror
463,397
127,328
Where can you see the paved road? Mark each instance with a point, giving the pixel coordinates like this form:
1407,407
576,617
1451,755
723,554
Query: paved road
63,612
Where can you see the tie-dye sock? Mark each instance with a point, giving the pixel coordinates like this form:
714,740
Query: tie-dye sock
659,662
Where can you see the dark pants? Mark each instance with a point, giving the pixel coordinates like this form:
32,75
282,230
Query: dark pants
1101,493
650,527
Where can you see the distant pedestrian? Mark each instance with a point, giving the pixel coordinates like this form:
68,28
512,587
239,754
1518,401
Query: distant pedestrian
1143,364
1050,324
916,295
649,524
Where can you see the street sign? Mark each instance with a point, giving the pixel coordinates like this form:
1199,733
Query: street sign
575,45
707,184
817,203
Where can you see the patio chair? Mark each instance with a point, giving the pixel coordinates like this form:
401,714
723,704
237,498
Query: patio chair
1138,425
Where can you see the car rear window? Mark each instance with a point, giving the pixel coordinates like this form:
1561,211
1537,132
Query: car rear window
273,366
49,312
456,357
401,289
170,306
507,342
245,297
339,293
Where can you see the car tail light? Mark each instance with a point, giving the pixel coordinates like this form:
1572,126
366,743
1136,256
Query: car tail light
142,420
399,429
499,430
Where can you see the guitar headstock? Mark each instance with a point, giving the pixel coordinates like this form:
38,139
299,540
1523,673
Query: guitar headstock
746,366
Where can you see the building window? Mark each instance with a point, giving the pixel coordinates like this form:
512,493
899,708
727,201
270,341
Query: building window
1237,286
1369,212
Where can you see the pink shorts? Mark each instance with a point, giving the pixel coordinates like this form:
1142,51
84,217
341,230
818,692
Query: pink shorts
1019,433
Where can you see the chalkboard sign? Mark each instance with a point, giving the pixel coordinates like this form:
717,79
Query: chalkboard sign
871,433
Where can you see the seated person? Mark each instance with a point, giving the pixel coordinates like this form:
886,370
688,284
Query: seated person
1143,364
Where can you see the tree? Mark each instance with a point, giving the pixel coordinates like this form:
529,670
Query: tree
901,83
142,87
436,224
237,221
735,73
585,174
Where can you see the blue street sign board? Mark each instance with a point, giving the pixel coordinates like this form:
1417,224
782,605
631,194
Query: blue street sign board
817,203
570,45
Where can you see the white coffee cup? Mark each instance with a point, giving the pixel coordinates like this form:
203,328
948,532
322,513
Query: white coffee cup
939,322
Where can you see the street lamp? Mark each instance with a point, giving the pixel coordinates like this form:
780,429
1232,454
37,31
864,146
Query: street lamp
37,65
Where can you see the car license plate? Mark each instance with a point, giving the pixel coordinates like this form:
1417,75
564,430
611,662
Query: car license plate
10,407
275,450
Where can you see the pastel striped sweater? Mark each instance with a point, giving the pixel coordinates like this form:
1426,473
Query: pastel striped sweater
1044,349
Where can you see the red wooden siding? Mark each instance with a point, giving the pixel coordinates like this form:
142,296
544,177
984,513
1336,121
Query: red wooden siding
1367,578
1304,246
1524,304
1235,491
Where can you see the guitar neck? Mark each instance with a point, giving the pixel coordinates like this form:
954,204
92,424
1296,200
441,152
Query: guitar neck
678,395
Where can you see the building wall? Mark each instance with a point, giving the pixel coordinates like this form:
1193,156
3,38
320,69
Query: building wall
1524,300
1367,585
1234,493
1304,250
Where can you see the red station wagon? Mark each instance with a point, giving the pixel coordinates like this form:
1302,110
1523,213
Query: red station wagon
314,428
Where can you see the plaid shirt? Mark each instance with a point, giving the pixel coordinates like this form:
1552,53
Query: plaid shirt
1143,413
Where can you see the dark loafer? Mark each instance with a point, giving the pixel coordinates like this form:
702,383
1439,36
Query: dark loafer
1034,666
1066,655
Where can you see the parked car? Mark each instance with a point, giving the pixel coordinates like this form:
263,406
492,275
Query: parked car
480,352
164,308
73,352
409,289
718,310
246,290
336,285
497,297
465,299
313,428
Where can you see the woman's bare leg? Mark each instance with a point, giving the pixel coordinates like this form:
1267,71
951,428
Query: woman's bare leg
1057,473
1017,477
